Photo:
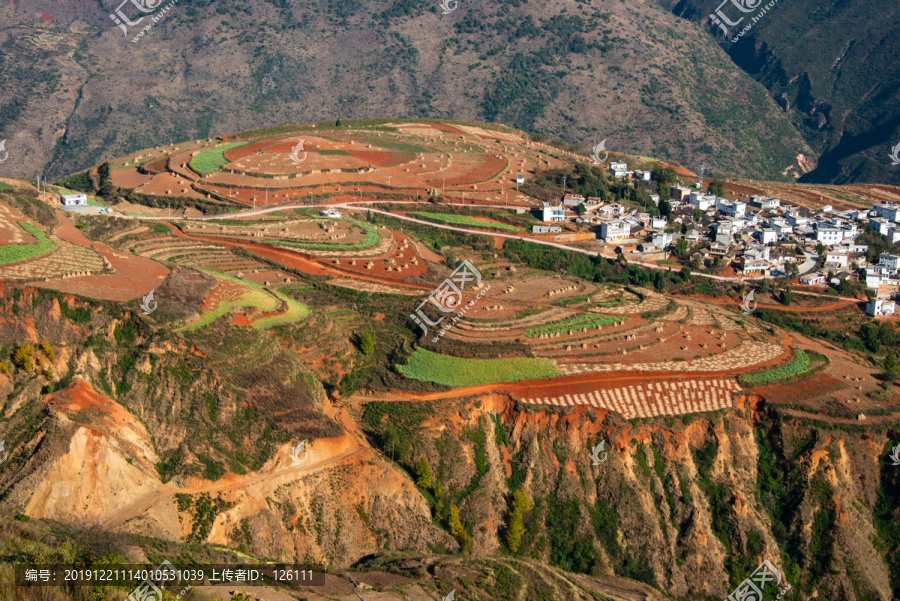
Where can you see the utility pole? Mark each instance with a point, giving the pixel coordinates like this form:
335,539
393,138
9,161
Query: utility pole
702,172
564,185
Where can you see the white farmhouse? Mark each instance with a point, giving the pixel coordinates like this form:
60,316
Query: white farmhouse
618,169
662,239
73,200
829,235
551,213
703,201
880,306
615,231
888,210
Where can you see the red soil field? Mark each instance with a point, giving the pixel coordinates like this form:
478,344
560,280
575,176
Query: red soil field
129,178
814,386
134,276
491,167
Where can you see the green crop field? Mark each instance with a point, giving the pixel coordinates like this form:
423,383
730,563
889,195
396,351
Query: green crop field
334,152
400,146
4,186
371,240
457,371
210,161
254,295
589,320
466,220
796,367
12,253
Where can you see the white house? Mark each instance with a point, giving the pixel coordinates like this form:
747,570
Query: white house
765,202
520,179
703,201
888,260
829,235
615,231
888,210
812,279
782,228
642,175
734,208
657,223
836,259
332,213
72,200
551,213
797,220
618,169
767,235
662,239
611,211
545,229
880,306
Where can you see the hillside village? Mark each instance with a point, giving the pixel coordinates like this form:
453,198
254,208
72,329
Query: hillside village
757,237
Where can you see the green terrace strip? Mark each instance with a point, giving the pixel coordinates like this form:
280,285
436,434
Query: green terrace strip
400,146
5,186
796,367
13,253
255,296
210,161
588,320
466,220
371,240
333,152
457,372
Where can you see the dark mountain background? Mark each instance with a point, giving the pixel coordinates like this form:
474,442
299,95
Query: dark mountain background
832,68
637,74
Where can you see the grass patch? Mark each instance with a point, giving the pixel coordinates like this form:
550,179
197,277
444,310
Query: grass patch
4,186
12,253
400,146
582,321
333,152
457,371
371,239
466,220
210,161
799,365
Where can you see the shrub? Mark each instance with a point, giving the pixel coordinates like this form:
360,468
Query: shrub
48,350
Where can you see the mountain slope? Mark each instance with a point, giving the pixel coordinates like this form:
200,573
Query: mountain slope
832,68
631,74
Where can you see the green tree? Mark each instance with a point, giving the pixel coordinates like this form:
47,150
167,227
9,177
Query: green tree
423,474
787,296
681,248
367,342
663,175
458,530
48,350
791,269
890,367
581,208
665,207
717,185
337,123
521,504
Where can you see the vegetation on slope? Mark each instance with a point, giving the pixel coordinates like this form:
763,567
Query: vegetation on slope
458,372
